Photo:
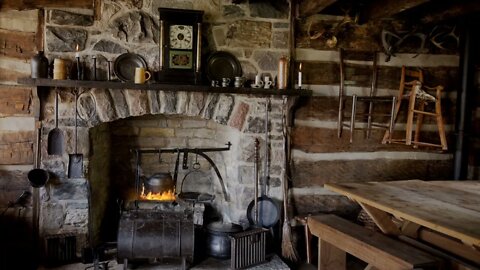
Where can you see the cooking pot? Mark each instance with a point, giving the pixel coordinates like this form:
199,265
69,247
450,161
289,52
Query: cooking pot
218,240
38,177
159,182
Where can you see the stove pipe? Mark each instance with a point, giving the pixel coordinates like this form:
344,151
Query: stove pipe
465,96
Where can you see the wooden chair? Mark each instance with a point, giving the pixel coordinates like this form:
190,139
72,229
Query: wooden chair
423,98
412,81
370,99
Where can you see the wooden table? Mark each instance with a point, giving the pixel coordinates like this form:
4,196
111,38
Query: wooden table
451,208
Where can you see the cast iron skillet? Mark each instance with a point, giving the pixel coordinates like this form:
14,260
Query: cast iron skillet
268,212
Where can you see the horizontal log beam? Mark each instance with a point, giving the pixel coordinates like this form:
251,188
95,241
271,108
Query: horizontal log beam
310,7
40,4
16,44
441,13
315,173
15,100
16,148
388,8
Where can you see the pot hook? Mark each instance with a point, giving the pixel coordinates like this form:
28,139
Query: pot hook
196,165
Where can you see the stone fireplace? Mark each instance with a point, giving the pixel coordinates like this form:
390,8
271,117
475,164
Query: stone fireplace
115,122
112,122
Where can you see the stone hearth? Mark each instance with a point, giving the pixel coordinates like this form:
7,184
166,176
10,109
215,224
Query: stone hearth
183,119
112,122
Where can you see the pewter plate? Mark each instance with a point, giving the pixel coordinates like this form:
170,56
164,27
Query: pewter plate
125,64
223,65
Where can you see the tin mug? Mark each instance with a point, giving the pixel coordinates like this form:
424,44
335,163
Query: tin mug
141,75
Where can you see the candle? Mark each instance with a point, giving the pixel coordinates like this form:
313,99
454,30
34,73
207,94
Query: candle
300,76
77,49
77,56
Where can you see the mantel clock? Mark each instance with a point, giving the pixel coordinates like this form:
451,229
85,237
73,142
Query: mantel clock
180,46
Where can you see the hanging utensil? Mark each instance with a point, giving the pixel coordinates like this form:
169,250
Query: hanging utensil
38,177
75,162
288,249
263,211
255,169
267,149
55,136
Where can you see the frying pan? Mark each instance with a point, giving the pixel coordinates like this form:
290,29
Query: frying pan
268,212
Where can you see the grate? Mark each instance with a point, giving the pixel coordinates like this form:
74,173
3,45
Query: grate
248,248
60,248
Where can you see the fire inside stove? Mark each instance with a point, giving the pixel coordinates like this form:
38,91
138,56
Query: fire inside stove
168,195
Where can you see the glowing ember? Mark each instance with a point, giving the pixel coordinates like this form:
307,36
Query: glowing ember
168,195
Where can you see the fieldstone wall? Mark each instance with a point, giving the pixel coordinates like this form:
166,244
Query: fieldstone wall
256,33
132,26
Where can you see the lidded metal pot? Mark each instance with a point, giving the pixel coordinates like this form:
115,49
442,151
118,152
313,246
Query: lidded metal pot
39,65
159,182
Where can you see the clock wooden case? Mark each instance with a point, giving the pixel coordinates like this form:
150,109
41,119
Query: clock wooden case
180,46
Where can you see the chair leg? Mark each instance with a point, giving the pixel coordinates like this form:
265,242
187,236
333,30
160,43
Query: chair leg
369,120
392,120
387,137
352,118
408,129
418,127
441,127
340,117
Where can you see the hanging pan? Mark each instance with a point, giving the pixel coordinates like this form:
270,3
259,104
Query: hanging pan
75,162
195,196
268,212
55,136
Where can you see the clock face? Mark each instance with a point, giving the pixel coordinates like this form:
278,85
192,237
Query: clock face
181,37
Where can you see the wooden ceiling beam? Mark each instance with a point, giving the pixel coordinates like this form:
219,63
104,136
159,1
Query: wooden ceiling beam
39,4
452,11
311,7
387,8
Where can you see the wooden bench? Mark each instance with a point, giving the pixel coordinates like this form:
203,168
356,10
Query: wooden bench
338,236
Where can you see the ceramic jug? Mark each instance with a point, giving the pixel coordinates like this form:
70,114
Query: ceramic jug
39,66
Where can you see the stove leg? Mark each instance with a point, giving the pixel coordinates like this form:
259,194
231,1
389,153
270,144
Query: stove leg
184,263
125,264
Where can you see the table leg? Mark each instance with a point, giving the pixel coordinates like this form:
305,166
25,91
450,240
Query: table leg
330,257
382,219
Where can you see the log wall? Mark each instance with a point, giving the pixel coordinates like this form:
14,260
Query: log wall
320,157
18,36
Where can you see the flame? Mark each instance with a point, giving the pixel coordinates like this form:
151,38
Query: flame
168,195
77,48
300,67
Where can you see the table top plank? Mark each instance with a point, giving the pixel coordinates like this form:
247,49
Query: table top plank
463,197
447,216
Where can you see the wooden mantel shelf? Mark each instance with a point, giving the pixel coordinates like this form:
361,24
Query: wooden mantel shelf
164,87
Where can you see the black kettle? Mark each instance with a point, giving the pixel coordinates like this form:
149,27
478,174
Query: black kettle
159,182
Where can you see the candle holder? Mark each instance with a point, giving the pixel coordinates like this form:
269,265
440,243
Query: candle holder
109,72
79,69
94,58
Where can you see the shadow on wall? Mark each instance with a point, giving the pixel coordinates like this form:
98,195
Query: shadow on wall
16,240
